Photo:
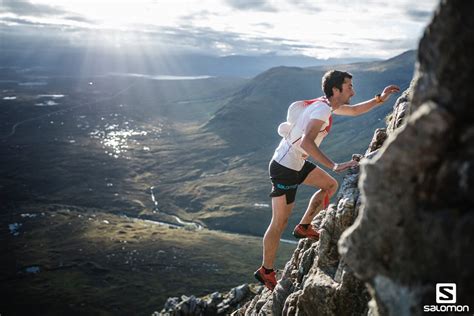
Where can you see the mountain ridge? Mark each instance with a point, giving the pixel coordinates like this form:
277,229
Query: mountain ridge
262,103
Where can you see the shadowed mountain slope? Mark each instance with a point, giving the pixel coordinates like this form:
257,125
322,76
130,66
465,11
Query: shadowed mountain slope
250,118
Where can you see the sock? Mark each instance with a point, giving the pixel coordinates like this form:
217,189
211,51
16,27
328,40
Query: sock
267,271
305,226
326,201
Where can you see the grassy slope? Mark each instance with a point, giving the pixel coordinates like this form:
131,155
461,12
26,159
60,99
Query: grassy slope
94,262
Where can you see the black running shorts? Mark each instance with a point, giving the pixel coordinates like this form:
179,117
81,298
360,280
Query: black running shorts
285,181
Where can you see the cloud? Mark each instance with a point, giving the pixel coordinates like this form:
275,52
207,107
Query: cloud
23,7
223,42
28,13
198,16
306,6
264,25
222,30
19,21
78,18
252,5
419,15
397,44
192,39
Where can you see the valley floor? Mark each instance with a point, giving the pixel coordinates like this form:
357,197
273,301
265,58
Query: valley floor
61,259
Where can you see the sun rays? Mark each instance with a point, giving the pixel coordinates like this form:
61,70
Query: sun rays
321,30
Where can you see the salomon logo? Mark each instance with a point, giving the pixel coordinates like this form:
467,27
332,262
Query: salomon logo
446,294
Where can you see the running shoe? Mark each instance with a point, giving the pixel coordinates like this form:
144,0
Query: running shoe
301,232
267,279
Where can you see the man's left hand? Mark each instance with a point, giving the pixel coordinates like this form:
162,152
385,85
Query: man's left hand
388,91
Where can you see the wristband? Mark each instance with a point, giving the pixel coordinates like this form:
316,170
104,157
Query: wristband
378,98
336,165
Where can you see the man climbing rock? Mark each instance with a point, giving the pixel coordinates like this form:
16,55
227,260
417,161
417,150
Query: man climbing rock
308,123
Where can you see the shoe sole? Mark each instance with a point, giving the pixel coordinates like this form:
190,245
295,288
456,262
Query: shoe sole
298,236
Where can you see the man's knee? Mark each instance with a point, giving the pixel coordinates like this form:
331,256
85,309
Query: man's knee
331,187
279,225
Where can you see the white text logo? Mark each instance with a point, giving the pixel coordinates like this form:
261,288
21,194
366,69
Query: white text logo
446,293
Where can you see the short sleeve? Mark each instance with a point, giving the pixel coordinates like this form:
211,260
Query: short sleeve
320,112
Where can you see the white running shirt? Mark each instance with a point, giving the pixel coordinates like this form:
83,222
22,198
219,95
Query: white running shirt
291,155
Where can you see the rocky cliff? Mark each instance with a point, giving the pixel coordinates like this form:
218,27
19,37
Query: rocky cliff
405,222
415,227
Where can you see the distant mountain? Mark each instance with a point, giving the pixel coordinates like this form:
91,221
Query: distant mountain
250,118
249,66
65,59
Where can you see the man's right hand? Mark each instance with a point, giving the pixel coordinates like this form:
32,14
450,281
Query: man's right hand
346,165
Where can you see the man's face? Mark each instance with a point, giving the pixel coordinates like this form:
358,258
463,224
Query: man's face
347,91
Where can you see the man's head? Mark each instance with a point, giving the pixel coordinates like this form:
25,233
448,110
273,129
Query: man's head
333,82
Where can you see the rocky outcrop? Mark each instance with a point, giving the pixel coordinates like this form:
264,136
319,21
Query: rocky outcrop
213,304
417,216
400,111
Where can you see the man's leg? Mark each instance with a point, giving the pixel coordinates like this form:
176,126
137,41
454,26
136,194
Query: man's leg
328,186
271,240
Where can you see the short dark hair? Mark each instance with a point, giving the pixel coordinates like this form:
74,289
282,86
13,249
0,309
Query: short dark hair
334,79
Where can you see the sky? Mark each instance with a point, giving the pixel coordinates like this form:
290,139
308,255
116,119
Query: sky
321,29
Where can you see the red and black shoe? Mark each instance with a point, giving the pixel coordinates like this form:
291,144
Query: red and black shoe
267,279
301,232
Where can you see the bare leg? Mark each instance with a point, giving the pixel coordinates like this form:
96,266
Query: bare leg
271,240
319,200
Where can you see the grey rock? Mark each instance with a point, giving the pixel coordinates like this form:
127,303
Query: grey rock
236,295
214,304
400,110
290,307
306,263
416,219
378,139
171,303
281,292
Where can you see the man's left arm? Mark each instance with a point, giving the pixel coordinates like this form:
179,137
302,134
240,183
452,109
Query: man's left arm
366,106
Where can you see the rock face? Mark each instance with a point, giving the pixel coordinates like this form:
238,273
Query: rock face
417,216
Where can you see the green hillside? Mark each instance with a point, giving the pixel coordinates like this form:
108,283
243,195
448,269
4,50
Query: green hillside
222,172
